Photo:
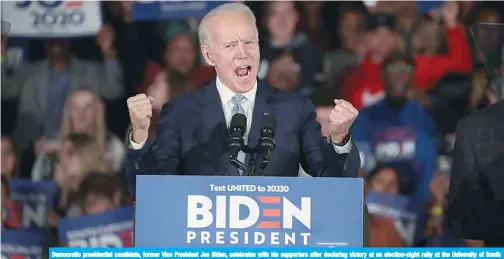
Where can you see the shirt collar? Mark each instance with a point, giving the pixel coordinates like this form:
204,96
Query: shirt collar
226,94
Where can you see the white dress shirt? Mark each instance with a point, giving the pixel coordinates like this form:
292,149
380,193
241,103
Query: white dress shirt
226,95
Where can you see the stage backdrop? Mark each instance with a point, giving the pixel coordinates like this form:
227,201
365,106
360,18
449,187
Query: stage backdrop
49,19
219,211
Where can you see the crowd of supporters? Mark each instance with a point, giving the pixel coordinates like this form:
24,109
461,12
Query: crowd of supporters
412,70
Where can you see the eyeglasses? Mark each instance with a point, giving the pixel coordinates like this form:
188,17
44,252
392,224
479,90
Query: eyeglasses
399,68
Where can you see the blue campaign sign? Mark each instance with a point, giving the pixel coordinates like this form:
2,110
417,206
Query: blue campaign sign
220,211
29,202
166,10
109,229
405,211
19,243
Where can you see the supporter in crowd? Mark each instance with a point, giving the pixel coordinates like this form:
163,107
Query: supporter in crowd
428,37
398,128
488,38
9,158
394,179
281,19
284,72
83,113
168,85
364,87
352,45
43,88
99,193
80,154
311,23
180,53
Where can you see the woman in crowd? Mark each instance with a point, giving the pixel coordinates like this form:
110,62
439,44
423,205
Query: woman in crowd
80,154
385,179
84,113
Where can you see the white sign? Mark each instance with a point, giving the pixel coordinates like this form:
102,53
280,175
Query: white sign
52,18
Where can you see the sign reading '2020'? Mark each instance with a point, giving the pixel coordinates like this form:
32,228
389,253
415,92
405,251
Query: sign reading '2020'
52,18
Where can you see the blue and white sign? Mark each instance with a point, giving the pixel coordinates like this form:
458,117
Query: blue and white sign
29,201
166,10
108,229
403,210
22,244
222,211
52,18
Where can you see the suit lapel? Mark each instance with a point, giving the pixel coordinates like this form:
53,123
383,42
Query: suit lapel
214,123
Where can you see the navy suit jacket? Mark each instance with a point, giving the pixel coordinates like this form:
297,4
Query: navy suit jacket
192,133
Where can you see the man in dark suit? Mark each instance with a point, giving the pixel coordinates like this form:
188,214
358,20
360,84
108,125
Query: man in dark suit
475,208
192,130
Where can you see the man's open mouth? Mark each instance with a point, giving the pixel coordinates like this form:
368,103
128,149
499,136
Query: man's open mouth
243,72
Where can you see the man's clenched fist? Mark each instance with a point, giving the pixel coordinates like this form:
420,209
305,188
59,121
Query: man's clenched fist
341,119
140,111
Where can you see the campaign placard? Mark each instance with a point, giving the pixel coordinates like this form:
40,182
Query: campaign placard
405,211
221,211
18,243
109,229
166,10
52,18
28,203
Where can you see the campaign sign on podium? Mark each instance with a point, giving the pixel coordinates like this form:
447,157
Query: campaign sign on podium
223,211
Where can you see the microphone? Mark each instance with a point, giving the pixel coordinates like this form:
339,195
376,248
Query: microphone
235,141
267,139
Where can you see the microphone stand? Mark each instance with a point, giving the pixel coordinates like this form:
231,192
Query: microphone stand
234,161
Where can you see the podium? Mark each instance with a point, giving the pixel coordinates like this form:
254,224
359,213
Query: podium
225,211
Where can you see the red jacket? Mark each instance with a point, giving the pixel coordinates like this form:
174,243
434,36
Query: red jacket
363,86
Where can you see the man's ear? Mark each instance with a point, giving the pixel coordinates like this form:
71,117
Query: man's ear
207,54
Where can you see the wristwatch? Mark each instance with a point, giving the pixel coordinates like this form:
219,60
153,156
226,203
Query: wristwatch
343,142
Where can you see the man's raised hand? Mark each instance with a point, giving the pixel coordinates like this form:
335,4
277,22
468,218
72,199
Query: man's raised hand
140,111
341,119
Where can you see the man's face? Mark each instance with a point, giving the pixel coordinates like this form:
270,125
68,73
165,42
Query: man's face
487,35
351,28
282,19
180,54
397,78
8,162
233,50
57,49
382,41
284,73
95,204
385,181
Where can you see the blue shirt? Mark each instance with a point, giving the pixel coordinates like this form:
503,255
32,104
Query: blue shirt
59,87
405,134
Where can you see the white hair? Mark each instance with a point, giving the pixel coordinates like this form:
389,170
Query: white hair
225,9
